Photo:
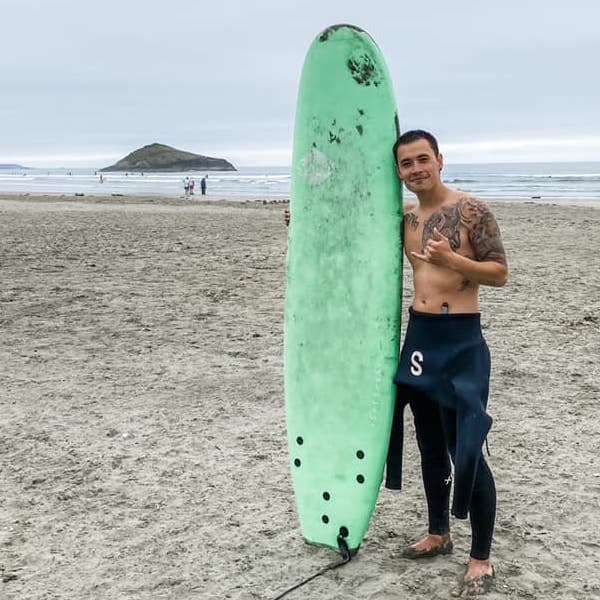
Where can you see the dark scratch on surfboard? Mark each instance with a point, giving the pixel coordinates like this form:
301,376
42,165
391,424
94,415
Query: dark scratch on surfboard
363,70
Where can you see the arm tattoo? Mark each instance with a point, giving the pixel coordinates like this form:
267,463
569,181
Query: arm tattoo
411,220
484,233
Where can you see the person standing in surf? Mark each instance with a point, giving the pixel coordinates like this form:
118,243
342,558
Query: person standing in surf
454,246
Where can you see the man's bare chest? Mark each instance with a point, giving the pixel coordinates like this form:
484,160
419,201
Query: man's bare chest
420,227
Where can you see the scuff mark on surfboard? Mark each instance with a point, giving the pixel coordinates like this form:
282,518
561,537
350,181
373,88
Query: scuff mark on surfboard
335,136
316,167
363,70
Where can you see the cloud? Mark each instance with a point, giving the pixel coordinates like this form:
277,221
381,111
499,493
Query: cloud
537,149
99,79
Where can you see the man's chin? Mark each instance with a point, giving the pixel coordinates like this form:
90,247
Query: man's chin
417,187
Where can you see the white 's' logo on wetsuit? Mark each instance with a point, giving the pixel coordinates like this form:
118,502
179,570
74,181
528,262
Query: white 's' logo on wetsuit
416,359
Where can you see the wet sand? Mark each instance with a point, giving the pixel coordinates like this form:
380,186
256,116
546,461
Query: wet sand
142,437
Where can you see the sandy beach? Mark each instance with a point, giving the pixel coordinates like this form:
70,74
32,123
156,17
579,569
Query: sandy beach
143,450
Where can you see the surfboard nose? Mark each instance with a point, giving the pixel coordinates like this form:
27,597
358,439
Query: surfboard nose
327,33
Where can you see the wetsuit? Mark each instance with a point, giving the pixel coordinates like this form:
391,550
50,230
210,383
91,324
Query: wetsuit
444,375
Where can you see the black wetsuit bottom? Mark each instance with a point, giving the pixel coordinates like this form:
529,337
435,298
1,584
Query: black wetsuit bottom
435,428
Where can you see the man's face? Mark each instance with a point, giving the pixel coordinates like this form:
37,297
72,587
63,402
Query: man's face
418,166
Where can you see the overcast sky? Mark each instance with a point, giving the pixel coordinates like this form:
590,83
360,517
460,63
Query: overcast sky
84,82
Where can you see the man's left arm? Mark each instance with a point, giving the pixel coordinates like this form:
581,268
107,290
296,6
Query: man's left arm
488,272
489,265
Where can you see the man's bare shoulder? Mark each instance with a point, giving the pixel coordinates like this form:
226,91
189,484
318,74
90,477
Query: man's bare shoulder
472,204
473,211
409,207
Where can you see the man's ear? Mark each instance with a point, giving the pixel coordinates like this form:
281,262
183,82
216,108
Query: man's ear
441,161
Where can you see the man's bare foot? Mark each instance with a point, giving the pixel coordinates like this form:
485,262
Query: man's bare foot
478,568
478,579
430,545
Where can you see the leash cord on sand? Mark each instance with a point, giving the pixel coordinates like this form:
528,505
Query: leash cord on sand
346,558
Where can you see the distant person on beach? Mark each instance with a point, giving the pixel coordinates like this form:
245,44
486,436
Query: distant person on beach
186,185
203,185
101,178
192,186
453,244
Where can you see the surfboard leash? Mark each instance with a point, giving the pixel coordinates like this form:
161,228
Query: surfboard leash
346,558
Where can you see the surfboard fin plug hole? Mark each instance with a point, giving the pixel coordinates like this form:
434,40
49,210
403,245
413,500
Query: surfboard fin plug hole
299,440
360,478
325,519
297,462
326,496
344,532
360,454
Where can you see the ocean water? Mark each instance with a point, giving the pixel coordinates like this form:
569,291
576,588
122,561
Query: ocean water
515,181
549,181
272,181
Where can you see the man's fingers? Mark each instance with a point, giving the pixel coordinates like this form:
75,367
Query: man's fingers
438,235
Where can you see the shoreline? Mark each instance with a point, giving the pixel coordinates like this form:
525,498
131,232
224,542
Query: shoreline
151,198
223,199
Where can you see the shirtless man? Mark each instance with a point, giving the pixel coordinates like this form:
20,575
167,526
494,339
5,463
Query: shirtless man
453,244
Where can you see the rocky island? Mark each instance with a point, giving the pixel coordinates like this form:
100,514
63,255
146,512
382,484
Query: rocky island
159,157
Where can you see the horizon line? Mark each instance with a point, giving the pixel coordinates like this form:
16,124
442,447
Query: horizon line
289,166
499,151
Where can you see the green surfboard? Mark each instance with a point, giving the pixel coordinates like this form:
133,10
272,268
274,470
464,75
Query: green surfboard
343,286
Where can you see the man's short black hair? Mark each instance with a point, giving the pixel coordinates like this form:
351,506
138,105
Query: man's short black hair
415,135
